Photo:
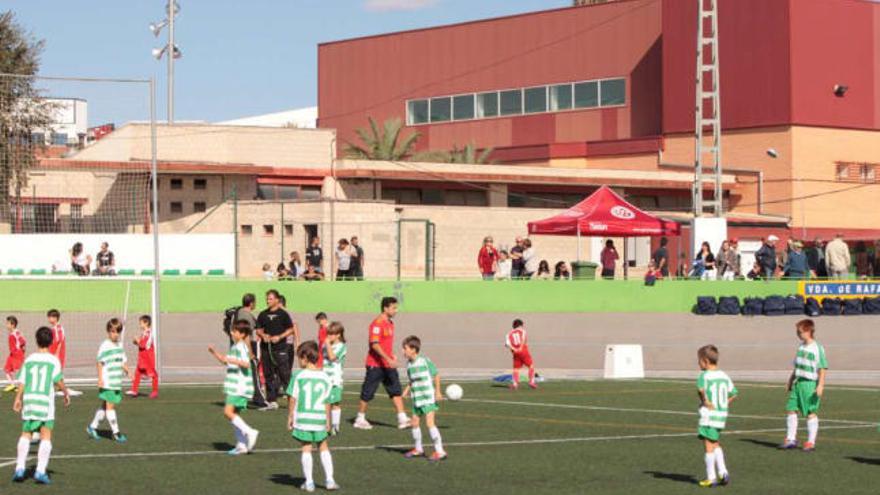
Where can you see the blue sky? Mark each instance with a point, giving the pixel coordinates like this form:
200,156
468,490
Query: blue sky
240,57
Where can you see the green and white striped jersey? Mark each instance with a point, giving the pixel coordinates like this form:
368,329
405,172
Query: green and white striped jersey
39,374
239,381
809,360
334,368
310,389
718,388
112,357
421,373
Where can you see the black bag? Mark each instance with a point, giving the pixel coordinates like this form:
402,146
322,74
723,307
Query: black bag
812,307
753,306
774,306
852,307
728,305
871,306
229,319
706,305
831,306
794,305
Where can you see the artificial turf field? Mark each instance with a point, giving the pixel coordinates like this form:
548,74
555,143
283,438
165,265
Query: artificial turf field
567,437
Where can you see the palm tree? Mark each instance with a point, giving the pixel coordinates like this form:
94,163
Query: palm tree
382,144
469,154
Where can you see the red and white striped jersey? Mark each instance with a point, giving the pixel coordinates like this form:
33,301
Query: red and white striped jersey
517,340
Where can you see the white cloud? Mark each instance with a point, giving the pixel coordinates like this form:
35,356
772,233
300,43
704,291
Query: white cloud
386,5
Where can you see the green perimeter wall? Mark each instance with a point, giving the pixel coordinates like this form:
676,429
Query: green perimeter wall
197,296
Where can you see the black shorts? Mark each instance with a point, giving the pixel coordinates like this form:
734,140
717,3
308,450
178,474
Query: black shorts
388,377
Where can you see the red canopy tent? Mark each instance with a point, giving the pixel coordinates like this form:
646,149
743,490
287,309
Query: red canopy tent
606,214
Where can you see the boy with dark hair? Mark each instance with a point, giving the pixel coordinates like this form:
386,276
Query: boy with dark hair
308,418
805,386
517,342
16,352
40,375
238,386
146,363
59,342
716,391
111,368
424,386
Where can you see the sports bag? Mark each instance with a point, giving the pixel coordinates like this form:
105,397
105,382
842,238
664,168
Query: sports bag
753,306
774,306
706,305
728,305
831,306
852,307
812,307
794,305
871,306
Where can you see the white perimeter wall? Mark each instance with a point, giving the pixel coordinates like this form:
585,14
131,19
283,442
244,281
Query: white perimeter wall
134,251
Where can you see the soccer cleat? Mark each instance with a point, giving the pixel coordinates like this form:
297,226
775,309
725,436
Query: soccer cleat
725,480
271,406
362,424
154,395
513,386
19,476
334,431
414,453
332,486
9,388
404,425
92,433
42,478
120,438
307,487
238,450
809,447
252,439
788,445
708,483
131,393
437,457
533,385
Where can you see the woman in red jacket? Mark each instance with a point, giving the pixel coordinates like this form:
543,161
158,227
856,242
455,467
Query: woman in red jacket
487,259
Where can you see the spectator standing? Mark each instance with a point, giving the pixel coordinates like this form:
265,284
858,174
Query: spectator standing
543,272
683,268
863,261
487,259
838,258
357,259
816,259
106,262
727,263
796,265
79,260
530,259
561,271
343,260
517,264
274,325
505,266
708,261
661,258
609,258
315,255
295,266
766,256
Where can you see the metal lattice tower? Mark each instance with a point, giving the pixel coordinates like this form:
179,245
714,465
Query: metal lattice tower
708,111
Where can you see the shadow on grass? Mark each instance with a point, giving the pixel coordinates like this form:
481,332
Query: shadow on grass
681,478
222,446
398,450
287,480
375,423
866,460
761,443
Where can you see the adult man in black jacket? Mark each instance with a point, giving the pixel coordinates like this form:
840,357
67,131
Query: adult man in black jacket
766,256
274,325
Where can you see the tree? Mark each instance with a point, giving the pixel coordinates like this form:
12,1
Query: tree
469,154
22,111
382,144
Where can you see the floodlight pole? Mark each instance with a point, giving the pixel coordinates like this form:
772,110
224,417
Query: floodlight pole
154,170
170,54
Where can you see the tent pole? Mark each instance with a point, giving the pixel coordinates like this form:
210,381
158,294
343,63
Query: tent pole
578,257
625,258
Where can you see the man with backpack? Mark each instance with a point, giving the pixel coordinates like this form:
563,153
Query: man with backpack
246,312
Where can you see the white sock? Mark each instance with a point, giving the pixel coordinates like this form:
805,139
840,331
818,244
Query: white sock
361,416
327,462
43,456
417,438
240,438
111,418
307,467
99,416
335,417
24,446
241,425
812,428
710,467
401,417
719,462
792,424
438,442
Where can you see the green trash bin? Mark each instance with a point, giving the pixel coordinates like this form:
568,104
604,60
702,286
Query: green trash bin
583,270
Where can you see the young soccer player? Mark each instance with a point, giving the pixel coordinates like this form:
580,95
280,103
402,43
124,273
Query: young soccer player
322,321
111,368
35,400
239,386
424,386
59,343
146,363
517,342
309,413
334,363
16,352
806,386
716,392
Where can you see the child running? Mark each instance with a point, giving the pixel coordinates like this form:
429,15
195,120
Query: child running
111,368
309,413
424,386
716,392
335,350
806,386
16,352
146,363
35,400
517,342
238,386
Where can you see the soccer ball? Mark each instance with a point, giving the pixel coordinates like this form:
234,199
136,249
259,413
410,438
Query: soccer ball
454,392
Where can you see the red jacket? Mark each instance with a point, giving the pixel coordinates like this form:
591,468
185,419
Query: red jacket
486,259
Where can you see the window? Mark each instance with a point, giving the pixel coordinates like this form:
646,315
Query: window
310,192
200,184
441,109
200,207
511,102
560,97
463,107
466,198
38,138
288,229
432,196
247,230
176,183
613,92
856,172
59,139
76,218
586,95
268,230
487,105
417,112
536,100
176,207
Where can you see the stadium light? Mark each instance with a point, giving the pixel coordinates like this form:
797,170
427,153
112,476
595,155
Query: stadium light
172,8
156,27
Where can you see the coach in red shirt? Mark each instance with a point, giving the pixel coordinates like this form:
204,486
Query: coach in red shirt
487,259
382,367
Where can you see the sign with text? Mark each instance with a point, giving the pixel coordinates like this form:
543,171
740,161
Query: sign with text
842,289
